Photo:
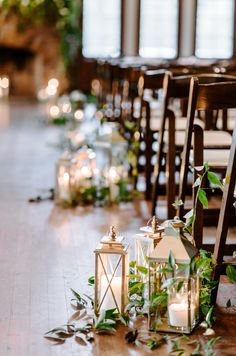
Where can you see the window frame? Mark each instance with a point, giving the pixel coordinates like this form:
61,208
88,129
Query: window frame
195,35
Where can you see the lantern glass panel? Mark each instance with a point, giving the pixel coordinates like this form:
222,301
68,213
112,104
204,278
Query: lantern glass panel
173,298
111,282
183,305
63,194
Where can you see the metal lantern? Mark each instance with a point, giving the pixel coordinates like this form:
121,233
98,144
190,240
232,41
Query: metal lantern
111,270
173,286
146,241
110,146
63,191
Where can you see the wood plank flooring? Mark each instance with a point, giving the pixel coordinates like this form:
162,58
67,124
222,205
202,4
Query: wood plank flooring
46,250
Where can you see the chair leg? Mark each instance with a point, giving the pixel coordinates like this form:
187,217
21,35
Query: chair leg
148,154
170,166
226,205
187,145
198,161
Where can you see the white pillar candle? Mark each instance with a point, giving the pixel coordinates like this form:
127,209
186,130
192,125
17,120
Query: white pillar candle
113,178
178,314
108,302
64,186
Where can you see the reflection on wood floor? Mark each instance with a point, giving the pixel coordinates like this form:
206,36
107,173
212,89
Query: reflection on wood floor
46,250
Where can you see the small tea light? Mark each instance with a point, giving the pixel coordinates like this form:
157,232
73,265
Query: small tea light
79,115
113,178
4,87
53,82
63,192
54,111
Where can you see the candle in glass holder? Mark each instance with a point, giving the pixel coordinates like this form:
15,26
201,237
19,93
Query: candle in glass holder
108,302
178,314
64,186
113,179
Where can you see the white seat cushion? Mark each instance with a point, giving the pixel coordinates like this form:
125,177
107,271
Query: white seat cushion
180,123
212,139
215,158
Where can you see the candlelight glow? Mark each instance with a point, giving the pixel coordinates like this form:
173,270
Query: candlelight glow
53,82
50,90
4,82
66,108
54,111
79,115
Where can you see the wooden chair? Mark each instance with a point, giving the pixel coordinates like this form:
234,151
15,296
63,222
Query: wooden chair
178,87
226,205
152,80
214,96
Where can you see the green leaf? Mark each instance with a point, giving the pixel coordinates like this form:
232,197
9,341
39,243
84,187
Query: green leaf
213,178
142,269
132,264
136,287
166,270
91,280
228,304
179,286
124,319
209,319
171,260
134,276
206,166
231,273
202,197
131,336
104,326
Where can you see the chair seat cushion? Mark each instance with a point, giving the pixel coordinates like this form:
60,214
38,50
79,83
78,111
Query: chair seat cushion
212,139
215,158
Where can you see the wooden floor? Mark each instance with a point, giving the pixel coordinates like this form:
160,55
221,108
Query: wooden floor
46,250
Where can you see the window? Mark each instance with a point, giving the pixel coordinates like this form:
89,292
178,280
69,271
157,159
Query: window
214,28
159,28
101,28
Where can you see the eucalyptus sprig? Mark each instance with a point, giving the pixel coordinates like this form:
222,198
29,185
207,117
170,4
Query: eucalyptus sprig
206,180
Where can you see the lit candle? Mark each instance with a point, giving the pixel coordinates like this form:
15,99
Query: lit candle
64,186
108,302
54,111
178,314
4,87
113,178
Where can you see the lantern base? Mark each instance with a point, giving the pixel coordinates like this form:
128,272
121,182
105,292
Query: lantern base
163,326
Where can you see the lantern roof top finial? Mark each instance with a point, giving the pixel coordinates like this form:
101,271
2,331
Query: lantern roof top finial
154,224
112,233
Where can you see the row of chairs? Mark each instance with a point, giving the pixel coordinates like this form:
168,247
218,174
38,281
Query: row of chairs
179,138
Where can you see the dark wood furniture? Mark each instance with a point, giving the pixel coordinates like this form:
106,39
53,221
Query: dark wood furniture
178,87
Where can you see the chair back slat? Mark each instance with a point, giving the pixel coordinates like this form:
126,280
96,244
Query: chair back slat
211,97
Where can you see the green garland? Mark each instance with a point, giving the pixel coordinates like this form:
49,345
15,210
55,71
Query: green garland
63,14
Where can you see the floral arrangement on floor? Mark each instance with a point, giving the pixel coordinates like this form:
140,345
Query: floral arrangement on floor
167,273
